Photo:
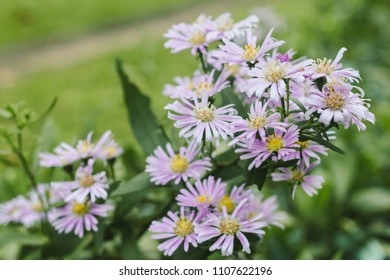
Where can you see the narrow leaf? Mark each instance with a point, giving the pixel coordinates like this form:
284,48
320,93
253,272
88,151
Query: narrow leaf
298,103
141,118
229,97
138,183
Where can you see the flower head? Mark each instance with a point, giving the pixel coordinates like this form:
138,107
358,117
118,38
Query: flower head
87,184
278,145
258,122
200,120
298,177
226,227
176,167
204,193
177,230
78,217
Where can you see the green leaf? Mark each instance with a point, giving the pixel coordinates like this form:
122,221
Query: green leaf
298,103
143,122
371,200
229,97
257,177
21,236
323,142
138,183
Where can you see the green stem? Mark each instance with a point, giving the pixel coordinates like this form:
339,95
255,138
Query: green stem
288,97
202,62
283,115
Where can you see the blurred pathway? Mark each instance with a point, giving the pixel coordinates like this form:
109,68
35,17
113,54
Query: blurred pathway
63,54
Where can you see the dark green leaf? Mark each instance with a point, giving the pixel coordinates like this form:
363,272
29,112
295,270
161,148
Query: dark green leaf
138,183
21,237
372,200
257,176
323,142
298,103
230,97
143,122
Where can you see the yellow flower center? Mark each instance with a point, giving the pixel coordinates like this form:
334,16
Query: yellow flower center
335,101
37,207
80,209
229,226
87,181
323,66
233,68
303,144
297,176
179,164
197,38
203,199
250,52
274,71
110,151
203,87
256,122
85,147
274,143
225,25
205,114
183,227
227,202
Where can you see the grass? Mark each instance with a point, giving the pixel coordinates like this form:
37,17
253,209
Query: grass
29,21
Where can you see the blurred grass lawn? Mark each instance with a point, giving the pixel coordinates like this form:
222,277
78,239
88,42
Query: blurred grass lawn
90,97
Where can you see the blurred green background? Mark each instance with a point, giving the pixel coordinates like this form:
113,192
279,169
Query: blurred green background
67,49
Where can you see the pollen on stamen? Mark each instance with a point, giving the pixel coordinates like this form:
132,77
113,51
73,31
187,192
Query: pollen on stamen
274,143
198,38
179,164
205,114
324,66
80,209
335,101
183,227
274,71
256,122
226,202
229,226
250,52
87,181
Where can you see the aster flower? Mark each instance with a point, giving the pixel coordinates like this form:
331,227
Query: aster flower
227,227
278,145
188,36
337,103
63,155
177,230
271,74
267,207
183,86
299,178
176,167
225,27
200,120
205,193
12,211
308,149
230,201
332,70
78,217
257,123
86,184
106,148
232,53
34,208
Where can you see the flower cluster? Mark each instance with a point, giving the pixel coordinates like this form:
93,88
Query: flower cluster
208,212
69,205
275,110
